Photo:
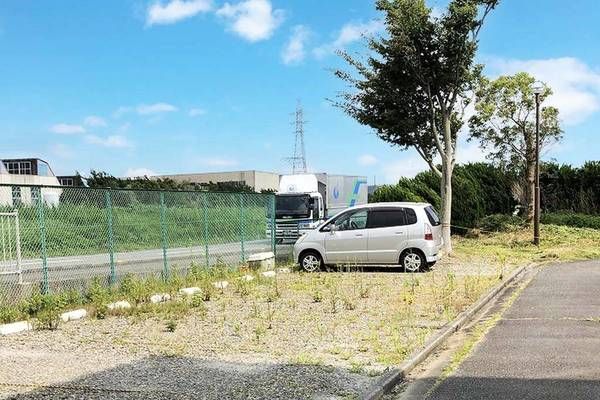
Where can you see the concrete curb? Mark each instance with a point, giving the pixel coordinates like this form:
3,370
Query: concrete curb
394,376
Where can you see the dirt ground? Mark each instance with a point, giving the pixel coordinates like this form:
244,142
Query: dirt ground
325,335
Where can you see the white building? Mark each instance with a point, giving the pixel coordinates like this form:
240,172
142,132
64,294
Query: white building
22,180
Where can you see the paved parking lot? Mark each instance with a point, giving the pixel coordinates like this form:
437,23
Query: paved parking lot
546,346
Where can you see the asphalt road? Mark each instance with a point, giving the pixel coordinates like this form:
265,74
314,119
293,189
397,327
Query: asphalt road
546,346
84,267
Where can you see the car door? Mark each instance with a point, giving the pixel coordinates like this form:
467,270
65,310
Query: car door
347,241
387,234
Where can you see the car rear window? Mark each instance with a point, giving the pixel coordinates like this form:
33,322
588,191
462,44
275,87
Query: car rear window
386,217
432,215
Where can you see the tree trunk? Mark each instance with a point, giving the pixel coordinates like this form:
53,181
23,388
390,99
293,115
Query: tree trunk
446,194
529,174
530,188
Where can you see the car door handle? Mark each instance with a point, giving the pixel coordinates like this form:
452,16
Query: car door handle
399,233
358,234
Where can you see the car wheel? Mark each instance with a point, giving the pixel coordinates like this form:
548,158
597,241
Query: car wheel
413,261
311,261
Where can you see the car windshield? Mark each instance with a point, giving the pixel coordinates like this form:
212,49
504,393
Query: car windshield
293,205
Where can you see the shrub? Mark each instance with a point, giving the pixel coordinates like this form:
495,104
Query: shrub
46,308
479,189
9,314
575,220
500,223
171,325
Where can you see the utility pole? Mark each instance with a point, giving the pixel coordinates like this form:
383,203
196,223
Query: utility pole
298,160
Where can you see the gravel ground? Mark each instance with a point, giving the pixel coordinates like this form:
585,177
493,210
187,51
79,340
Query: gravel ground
245,347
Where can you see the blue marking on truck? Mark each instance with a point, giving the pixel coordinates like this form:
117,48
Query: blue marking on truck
354,198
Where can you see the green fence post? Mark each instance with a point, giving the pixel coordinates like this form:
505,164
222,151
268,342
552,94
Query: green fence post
163,234
272,205
243,256
205,213
43,250
111,244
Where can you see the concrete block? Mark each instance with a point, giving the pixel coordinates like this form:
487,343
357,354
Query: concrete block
269,274
189,291
221,284
15,327
160,298
73,315
119,305
264,260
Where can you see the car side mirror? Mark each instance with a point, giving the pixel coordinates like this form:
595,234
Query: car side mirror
333,228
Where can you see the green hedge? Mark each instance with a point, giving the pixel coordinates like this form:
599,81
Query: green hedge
576,220
479,189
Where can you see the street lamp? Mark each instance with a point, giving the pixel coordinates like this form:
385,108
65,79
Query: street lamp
538,89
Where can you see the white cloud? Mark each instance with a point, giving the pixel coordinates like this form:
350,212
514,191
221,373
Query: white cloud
294,51
350,33
469,153
157,108
113,141
175,10
253,20
218,162
367,159
94,121
119,112
195,112
576,85
139,172
67,129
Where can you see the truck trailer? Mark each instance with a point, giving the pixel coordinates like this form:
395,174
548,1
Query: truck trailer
304,201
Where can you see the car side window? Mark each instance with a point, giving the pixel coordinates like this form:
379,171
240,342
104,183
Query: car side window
411,216
386,217
351,221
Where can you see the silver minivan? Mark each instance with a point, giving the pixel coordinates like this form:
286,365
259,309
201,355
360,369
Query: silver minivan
404,234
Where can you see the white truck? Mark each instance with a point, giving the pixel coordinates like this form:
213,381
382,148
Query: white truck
305,200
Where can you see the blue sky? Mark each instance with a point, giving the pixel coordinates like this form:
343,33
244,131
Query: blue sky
135,86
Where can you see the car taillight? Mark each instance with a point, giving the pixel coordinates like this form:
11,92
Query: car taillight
428,232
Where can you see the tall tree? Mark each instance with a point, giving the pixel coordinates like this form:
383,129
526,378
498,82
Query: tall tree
504,123
413,88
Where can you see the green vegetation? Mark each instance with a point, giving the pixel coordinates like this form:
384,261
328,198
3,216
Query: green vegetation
479,189
576,220
571,189
558,243
77,229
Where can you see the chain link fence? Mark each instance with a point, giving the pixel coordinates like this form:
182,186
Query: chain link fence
61,238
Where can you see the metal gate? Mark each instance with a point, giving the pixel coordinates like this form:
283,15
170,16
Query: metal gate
10,244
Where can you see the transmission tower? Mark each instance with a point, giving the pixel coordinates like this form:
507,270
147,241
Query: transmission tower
298,161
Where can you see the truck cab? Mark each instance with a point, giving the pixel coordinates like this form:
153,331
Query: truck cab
299,206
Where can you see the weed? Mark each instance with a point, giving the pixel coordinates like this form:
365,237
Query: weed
171,325
317,296
270,315
356,368
9,314
348,303
259,332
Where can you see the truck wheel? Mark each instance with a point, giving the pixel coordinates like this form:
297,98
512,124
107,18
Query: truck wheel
413,260
311,261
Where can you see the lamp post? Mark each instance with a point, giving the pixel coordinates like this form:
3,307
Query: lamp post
538,88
